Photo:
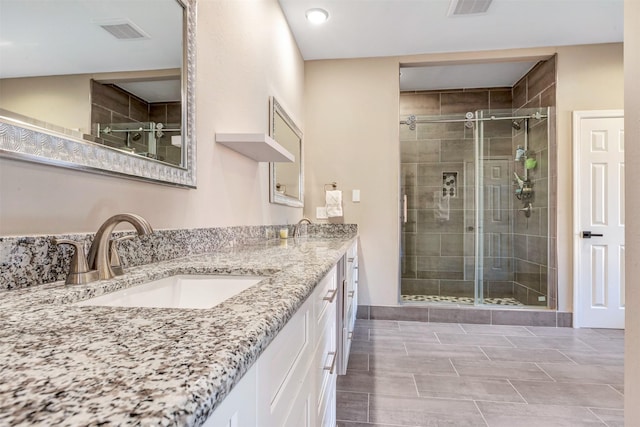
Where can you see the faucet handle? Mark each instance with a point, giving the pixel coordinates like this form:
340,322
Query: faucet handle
114,257
79,272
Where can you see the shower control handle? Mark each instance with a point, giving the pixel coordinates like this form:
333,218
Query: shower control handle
588,235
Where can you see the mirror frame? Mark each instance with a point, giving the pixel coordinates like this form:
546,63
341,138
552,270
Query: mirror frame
26,139
274,196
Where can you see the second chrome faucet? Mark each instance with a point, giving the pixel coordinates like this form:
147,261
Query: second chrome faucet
296,228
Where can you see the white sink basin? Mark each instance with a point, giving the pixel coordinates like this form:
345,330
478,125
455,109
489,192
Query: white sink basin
181,291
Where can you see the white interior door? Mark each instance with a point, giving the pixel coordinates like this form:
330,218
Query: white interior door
599,219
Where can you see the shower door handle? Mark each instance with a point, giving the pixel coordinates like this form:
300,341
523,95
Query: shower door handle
588,235
404,208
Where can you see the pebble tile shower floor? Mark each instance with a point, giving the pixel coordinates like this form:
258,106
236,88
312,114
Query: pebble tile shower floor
460,375
459,300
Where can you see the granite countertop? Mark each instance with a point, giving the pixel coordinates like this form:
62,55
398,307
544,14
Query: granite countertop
71,365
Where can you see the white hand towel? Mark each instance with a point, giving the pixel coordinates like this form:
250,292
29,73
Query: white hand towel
334,203
441,206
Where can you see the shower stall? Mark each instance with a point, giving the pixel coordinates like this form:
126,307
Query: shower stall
475,208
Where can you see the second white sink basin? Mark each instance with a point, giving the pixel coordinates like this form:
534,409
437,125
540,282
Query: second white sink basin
181,291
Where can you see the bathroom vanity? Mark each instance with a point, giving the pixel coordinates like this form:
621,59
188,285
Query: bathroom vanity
267,356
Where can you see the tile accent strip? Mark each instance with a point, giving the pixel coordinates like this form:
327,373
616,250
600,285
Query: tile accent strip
453,314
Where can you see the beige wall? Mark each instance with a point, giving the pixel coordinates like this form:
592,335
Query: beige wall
589,78
245,53
60,100
632,227
352,134
352,116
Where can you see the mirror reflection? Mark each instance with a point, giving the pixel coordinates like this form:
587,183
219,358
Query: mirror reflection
113,76
286,178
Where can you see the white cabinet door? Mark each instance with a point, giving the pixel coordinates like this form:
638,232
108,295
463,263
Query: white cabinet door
238,409
293,383
282,369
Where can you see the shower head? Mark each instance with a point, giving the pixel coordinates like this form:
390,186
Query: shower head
515,125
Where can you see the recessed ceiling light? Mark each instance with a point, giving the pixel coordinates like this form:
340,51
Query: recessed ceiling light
317,16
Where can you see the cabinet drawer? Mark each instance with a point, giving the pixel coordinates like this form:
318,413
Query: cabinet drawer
301,414
324,368
283,366
352,252
325,297
327,415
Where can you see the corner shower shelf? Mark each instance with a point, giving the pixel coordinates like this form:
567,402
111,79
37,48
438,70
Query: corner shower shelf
257,146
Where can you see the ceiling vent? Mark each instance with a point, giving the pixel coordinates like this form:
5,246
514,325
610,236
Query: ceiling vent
123,29
468,7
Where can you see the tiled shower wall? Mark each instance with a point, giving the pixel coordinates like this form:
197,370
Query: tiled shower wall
535,237
438,251
438,241
110,104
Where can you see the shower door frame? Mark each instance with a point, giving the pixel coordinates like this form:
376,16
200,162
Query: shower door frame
478,120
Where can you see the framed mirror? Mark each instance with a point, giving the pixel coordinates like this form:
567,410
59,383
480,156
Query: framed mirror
286,179
113,93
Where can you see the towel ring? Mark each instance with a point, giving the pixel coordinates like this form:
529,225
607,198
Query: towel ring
333,186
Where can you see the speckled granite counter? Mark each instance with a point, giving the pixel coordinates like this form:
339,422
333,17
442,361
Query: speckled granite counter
69,365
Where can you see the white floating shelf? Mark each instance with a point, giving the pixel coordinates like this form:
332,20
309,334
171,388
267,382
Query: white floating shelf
257,146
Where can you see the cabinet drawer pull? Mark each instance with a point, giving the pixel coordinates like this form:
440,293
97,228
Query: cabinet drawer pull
351,294
331,295
331,367
350,335
351,259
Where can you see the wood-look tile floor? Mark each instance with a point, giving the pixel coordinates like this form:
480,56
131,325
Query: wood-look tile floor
459,375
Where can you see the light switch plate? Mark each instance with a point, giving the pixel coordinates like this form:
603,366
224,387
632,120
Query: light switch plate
355,196
321,212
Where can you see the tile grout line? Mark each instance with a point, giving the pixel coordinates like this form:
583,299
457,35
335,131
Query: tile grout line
545,372
475,402
573,361
611,386
454,368
510,342
415,384
368,407
485,354
597,416
437,337
517,391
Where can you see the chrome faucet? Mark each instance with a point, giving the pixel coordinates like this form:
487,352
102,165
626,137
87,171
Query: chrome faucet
99,257
296,228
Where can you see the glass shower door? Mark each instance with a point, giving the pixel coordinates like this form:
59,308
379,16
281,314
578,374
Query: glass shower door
470,235
495,207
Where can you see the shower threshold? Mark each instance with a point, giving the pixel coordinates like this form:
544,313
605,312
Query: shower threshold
459,300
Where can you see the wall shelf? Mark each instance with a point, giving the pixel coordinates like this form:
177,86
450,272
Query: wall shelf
257,146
